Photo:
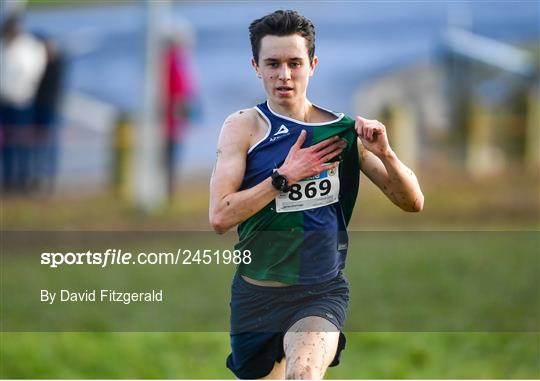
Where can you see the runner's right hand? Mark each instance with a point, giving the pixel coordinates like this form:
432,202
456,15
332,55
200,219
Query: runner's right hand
306,162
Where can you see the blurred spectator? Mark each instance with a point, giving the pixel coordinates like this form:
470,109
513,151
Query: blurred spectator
178,98
22,62
45,158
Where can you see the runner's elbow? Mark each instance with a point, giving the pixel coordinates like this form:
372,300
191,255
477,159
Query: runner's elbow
218,223
418,204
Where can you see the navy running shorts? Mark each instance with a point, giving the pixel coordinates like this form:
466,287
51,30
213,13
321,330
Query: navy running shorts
260,317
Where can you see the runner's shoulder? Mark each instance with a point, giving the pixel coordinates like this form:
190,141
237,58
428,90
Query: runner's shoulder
246,118
246,123
241,127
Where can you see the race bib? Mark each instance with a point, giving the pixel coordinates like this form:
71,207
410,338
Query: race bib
310,193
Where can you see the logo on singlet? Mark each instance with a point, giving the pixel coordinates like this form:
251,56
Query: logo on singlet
282,130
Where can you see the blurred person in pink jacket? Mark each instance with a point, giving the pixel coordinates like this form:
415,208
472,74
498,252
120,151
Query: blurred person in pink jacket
178,98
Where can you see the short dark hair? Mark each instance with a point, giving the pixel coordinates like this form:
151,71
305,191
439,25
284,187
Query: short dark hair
282,23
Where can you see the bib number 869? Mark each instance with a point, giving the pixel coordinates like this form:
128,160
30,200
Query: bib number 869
311,190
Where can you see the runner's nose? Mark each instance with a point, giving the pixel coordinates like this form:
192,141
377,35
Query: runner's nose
284,72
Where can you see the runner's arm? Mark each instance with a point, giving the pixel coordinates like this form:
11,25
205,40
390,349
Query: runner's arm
382,166
228,206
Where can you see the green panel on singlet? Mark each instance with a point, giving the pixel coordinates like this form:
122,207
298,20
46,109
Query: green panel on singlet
268,236
349,170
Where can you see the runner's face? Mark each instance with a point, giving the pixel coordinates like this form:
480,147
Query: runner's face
285,68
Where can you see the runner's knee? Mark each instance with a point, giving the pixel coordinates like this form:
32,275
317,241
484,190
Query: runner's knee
302,370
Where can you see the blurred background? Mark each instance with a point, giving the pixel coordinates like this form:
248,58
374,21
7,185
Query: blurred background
122,105
110,114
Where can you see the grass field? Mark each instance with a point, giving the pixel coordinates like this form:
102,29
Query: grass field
453,202
202,355
433,276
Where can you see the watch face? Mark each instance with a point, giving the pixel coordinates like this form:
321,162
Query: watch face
279,181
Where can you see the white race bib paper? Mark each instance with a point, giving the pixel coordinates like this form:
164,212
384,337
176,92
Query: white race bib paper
310,193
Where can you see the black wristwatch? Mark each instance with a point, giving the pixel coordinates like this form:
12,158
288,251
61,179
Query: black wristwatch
280,182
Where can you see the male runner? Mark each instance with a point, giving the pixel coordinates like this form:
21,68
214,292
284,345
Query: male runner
287,174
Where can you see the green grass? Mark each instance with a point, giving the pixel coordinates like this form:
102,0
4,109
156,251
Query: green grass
452,201
427,278
432,283
202,355
412,281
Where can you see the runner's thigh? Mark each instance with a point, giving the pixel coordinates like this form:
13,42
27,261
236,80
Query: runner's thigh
310,346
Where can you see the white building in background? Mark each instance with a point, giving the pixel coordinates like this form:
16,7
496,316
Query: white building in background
469,96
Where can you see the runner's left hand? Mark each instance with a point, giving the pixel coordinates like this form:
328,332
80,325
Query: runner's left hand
372,133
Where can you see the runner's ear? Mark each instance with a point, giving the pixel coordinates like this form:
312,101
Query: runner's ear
313,63
256,67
